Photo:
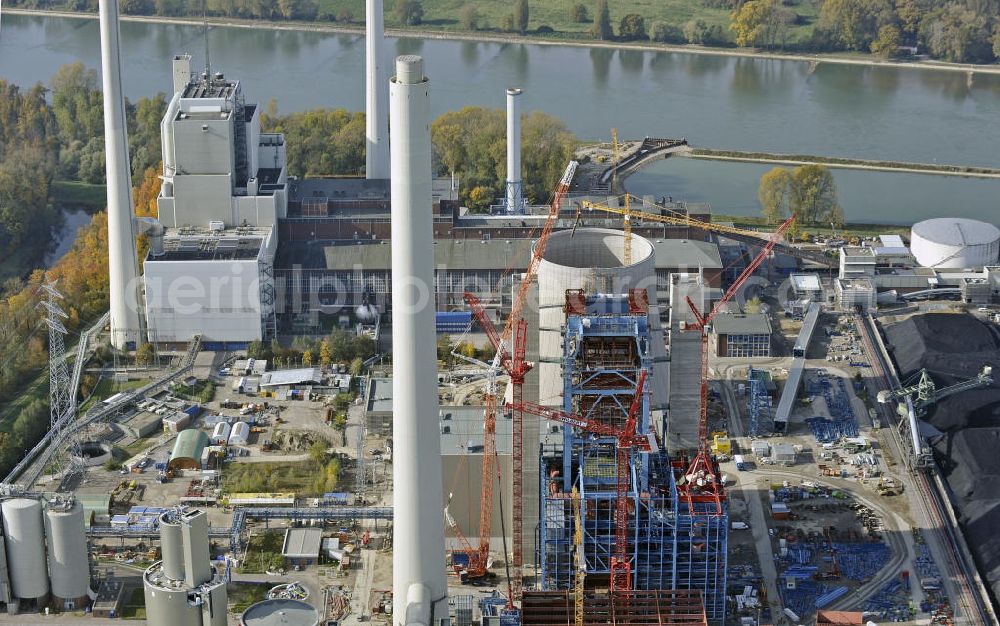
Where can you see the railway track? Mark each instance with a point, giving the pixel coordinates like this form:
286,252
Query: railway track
968,600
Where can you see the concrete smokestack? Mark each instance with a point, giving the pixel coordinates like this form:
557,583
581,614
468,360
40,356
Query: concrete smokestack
123,267
376,109
420,592
515,195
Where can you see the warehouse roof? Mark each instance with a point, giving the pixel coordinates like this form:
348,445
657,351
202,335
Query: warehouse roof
302,543
189,445
501,254
741,324
379,395
291,377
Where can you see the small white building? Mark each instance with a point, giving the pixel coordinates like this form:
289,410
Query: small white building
240,434
221,433
783,453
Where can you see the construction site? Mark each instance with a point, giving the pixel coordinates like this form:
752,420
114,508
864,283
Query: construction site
601,410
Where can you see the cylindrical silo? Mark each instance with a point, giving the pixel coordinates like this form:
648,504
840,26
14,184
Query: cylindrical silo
515,193
66,536
22,527
954,243
592,259
172,546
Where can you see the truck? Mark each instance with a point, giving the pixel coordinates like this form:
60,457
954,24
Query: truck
741,463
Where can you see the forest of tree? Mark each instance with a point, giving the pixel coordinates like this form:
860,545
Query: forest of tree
950,30
472,144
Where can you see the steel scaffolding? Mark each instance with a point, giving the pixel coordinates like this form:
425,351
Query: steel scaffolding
605,347
759,403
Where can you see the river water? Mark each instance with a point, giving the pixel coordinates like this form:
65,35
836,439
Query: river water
713,101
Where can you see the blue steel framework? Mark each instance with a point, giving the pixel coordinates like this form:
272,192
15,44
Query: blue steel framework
671,546
759,404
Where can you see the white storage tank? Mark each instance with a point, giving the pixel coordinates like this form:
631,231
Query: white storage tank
221,433
22,528
954,243
66,537
172,546
240,434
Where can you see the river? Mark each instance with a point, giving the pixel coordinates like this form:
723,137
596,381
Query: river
714,101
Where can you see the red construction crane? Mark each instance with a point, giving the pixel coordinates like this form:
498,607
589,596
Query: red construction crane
700,482
626,439
516,366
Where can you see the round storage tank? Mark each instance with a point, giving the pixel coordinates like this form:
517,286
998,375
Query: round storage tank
280,613
592,259
69,571
22,527
166,602
954,243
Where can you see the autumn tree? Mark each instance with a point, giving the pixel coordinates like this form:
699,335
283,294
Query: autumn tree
144,355
521,16
761,23
602,22
813,197
632,27
957,34
469,18
409,12
886,44
853,24
325,356
774,194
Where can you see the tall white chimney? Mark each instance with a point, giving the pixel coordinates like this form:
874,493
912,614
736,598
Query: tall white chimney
515,195
420,592
376,110
123,267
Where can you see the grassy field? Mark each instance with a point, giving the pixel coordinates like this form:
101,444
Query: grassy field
555,14
135,606
848,230
263,553
255,477
242,595
78,194
107,388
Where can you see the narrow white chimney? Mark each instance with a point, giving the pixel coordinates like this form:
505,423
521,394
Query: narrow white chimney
515,195
420,591
376,110
123,267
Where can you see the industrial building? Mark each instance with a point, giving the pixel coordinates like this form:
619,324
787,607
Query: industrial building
742,335
184,587
674,541
301,546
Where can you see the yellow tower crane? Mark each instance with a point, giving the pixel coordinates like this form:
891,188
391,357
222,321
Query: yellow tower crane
581,560
627,212
676,218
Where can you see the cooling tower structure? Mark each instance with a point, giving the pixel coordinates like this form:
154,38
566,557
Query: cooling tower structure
25,543
123,266
376,109
420,592
183,587
592,260
69,568
515,190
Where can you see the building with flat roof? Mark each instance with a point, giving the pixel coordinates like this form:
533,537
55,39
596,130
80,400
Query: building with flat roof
378,406
856,292
742,335
301,545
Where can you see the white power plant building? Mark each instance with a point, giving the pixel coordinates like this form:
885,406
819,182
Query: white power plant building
224,188
184,587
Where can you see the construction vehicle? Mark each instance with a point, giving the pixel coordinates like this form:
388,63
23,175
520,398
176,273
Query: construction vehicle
888,487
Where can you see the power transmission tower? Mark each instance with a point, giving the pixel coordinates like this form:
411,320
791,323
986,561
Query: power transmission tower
60,402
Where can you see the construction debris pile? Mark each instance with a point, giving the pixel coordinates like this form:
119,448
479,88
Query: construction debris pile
953,347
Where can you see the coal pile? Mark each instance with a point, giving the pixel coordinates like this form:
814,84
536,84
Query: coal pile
955,347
